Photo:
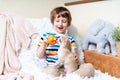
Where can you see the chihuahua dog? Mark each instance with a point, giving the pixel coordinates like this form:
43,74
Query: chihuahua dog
65,57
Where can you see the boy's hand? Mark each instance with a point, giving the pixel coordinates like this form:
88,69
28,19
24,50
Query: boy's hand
45,43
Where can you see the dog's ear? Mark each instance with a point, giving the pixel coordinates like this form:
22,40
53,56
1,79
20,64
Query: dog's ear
59,40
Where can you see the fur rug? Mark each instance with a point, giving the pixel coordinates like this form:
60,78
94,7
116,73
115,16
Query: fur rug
32,65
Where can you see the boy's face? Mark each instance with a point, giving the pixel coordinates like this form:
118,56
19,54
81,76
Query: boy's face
60,24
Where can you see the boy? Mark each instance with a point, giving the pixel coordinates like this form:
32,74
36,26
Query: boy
61,20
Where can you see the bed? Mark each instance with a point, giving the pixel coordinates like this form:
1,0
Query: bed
34,66
30,61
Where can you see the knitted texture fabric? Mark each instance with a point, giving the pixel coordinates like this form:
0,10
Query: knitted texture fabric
99,37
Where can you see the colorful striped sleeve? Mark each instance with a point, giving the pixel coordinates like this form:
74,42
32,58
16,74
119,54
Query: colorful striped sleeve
41,38
72,40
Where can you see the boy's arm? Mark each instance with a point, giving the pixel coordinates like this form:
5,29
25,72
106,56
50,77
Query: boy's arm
74,49
41,49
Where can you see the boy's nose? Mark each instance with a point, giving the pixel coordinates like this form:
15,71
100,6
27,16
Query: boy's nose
61,23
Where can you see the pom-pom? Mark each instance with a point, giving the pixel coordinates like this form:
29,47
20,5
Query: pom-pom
51,39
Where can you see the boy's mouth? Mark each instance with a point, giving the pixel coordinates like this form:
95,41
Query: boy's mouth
60,28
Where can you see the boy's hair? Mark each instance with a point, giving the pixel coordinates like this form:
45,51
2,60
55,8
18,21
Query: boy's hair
61,12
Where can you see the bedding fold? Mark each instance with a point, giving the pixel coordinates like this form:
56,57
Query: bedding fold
15,34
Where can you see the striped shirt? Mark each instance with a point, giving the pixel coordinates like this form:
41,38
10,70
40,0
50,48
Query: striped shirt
51,50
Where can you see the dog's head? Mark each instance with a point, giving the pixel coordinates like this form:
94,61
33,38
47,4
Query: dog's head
64,42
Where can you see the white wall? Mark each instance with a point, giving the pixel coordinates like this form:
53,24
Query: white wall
83,14
29,8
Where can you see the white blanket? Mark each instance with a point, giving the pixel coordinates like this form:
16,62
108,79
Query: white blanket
15,33
31,64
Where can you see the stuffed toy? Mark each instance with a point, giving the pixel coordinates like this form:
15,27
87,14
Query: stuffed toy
99,37
51,39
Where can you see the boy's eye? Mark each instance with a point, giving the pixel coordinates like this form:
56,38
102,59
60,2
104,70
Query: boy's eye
64,21
57,20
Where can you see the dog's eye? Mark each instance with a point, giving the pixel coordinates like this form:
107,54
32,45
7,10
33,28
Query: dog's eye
59,40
